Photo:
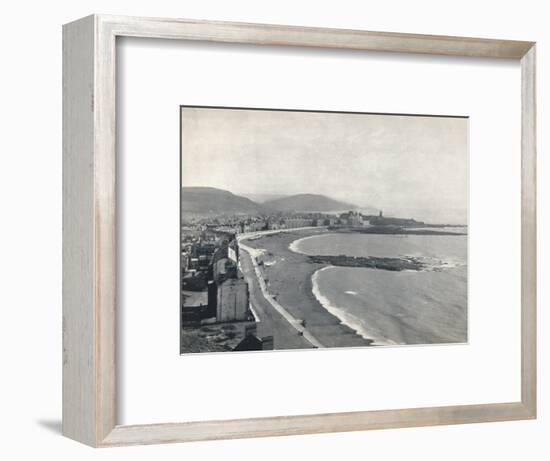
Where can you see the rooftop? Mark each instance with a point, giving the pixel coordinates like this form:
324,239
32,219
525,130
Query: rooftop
195,298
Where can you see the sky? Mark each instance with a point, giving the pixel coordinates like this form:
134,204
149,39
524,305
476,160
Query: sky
408,166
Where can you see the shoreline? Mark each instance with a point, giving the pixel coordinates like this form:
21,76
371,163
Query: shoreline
432,229
346,319
288,278
292,321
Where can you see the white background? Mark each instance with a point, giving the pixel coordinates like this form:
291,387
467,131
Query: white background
31,228
157,76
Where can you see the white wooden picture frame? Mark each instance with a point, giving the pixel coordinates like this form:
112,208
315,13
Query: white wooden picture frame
89,230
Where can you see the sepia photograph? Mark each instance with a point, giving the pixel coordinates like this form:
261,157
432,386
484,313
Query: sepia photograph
317,229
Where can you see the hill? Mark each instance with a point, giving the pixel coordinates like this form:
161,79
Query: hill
308,202
212,201
262,198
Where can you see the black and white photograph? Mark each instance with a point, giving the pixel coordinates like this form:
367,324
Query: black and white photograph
261,230
315,229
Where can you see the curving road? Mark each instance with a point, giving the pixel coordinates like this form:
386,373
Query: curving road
288,332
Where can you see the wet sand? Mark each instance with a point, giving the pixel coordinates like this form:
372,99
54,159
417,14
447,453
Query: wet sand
288,278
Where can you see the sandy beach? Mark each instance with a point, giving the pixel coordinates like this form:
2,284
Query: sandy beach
288,279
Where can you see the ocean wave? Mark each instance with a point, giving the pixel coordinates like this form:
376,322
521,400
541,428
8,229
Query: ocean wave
345,318
431,264
295,243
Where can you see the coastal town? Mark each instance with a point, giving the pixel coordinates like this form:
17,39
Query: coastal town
319,229
224,288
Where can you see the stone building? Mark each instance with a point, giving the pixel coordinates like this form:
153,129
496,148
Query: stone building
228,291
232,300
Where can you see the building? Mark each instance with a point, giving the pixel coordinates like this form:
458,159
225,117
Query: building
253,225
275,223
233,251
194,281
232,300
293,223
227,290
351,218
251,341
195,308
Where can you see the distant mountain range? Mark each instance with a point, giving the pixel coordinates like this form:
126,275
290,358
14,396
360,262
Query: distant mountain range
308,202
262,198
209,201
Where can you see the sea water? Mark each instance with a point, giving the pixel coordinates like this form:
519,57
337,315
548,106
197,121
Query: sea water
395,307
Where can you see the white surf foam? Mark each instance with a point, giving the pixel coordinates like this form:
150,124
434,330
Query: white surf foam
294,245
345,318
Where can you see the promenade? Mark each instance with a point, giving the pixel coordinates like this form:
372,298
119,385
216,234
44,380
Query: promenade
286,304
272,321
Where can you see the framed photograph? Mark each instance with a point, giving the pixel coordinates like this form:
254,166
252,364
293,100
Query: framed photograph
274,230
291,260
